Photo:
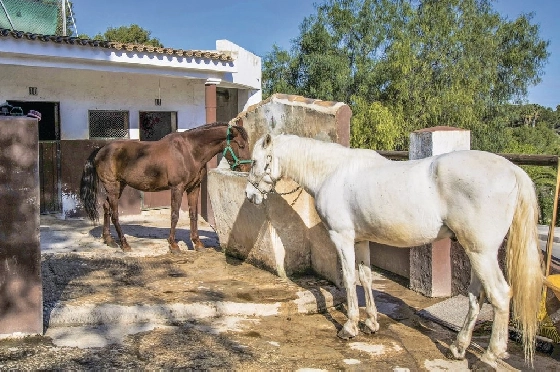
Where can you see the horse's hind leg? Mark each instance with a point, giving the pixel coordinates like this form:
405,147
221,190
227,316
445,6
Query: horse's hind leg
476,299
114,192
107,238
485,266
364,270
344,243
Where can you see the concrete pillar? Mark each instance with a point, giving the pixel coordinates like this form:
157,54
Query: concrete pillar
430,265
21,291
211,103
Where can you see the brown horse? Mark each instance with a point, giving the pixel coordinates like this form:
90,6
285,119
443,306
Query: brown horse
177,162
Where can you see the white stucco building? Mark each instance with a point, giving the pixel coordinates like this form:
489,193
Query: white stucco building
91,91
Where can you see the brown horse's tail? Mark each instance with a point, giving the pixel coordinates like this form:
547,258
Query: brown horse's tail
524,264
88,187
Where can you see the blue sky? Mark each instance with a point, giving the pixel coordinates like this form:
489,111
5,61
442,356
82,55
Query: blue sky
258,24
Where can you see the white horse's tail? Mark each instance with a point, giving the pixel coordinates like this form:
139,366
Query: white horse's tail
524,263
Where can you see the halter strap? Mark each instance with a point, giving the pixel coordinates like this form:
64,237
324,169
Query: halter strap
273,189
236,161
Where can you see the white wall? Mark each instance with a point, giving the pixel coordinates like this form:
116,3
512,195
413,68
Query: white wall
249,73
81,90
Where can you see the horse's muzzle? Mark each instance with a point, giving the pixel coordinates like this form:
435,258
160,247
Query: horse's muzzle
253,194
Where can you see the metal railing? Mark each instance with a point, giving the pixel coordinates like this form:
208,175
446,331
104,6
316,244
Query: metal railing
519,159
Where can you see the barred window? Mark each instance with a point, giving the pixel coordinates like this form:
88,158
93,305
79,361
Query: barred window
108,124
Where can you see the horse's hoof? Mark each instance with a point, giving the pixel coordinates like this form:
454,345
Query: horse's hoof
126,249
199,247
488,362
348,331
174,251
369,327
504,355
343,334
110,242
455,352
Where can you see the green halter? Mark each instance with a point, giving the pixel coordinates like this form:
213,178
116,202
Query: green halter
236,161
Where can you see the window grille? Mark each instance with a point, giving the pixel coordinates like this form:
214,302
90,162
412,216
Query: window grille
108,124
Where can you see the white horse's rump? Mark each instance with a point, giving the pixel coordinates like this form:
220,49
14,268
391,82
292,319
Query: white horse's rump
474,196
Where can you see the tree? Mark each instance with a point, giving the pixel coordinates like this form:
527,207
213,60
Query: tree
430,62
132,34
374,126
277,72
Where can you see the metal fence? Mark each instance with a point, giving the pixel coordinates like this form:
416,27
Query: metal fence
46,17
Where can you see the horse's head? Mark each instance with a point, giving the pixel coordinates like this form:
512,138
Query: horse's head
264,171
237,151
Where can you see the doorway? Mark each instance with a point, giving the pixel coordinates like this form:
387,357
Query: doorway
154,125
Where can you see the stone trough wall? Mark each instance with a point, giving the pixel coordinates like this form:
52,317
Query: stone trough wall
285,234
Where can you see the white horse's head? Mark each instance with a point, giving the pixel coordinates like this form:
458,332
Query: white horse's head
264,172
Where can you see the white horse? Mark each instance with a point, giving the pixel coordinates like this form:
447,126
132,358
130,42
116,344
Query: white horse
473,196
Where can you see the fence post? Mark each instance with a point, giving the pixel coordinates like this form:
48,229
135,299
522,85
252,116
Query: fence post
21,291
430,264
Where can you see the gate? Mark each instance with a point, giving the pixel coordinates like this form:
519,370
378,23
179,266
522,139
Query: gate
49,176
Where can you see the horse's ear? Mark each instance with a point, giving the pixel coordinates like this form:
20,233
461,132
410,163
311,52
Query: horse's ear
267,141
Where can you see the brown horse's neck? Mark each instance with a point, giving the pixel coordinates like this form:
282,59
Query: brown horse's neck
207,141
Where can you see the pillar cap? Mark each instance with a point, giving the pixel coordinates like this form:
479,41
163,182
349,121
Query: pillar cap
440,128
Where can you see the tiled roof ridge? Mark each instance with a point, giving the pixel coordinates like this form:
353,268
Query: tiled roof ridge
73,40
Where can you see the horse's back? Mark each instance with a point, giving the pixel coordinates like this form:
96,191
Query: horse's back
143,165
406,203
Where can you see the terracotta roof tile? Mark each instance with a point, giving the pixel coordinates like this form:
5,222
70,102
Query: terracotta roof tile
115,45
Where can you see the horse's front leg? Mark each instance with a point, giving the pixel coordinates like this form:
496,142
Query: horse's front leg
344,243
364,270
192,197
176,199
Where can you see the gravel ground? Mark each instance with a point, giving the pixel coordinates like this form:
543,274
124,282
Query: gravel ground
79,271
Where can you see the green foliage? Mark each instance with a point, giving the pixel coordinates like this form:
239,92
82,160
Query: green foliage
277,73
132,34
404,65
429,62
540,139
375,127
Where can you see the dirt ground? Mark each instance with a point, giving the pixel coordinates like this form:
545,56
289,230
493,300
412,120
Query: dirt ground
79,271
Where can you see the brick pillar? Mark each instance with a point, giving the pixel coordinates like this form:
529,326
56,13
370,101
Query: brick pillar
211,105
21,291
430,264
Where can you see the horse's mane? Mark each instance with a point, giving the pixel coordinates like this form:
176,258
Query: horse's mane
321,158
242,131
